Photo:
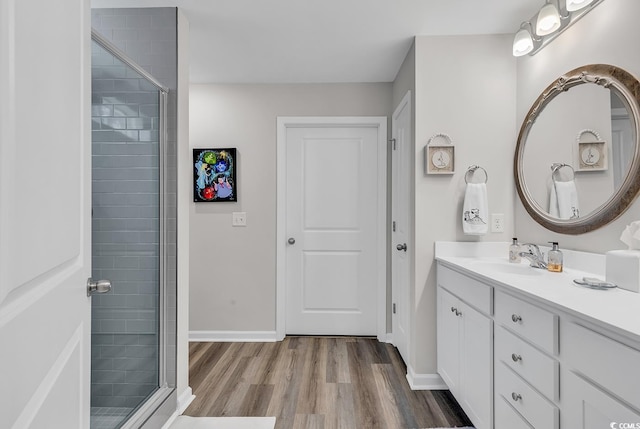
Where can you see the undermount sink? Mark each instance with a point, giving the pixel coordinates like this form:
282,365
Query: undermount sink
505,267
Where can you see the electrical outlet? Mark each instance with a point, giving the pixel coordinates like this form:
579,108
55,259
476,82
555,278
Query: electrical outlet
497,222
239,219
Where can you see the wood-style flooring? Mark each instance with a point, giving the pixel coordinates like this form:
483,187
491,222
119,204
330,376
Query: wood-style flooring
315,382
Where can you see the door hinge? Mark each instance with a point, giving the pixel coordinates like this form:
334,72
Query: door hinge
394,308
393,226
393,142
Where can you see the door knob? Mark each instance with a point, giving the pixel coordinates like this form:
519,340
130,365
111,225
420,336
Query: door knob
402,246
97,286
291,240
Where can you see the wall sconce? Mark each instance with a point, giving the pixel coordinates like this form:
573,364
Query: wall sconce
552,19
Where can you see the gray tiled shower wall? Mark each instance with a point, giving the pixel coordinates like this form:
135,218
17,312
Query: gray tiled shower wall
125,153
125,233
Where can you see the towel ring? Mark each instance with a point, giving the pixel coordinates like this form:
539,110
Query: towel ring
557,166
472,169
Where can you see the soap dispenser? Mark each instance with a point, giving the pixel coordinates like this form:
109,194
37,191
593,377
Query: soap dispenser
514,252
554,262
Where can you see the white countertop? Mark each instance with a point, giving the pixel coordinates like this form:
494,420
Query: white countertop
616,309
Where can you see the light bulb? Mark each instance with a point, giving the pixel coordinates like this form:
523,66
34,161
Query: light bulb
573,5
548,20
522,43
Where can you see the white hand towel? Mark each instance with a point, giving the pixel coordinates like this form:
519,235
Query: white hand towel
563,200
475,210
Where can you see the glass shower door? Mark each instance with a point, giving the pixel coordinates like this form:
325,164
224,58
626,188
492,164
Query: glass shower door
127,239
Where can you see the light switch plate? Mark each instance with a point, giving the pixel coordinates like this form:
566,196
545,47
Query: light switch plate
239,219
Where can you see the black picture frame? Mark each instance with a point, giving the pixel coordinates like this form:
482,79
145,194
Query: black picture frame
215,175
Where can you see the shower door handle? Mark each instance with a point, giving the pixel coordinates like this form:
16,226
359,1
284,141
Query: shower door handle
97,286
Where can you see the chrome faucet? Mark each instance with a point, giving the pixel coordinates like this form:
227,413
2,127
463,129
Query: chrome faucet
534,256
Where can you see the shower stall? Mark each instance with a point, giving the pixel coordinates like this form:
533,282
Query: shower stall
133,241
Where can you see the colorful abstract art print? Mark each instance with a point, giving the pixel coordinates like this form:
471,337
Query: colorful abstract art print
214,175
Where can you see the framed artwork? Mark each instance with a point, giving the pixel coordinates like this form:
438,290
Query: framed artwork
592,156
439,158
215,175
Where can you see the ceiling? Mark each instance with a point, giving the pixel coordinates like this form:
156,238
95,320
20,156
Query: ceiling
303,41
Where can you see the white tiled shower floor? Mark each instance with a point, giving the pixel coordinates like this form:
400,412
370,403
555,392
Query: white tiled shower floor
108,417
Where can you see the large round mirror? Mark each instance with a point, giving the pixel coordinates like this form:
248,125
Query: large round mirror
577,161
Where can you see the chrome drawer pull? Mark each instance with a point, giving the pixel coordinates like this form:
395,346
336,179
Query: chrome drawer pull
516,357
516,318
516,396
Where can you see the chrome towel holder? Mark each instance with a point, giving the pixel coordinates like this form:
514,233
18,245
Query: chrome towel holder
557,166
471,171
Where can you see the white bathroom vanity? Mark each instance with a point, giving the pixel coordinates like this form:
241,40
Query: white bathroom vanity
521,347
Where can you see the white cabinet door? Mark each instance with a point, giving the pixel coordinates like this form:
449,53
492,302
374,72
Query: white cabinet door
448,334
586,407
465,356
45,236
476,369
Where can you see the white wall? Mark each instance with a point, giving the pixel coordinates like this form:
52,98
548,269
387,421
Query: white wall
607,35
465,87
233,269
406,78
184,188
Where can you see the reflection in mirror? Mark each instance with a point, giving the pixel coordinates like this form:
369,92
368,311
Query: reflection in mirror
622,143
554,140
577,160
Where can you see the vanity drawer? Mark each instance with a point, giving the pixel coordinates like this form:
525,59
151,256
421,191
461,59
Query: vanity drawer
507,417
471,291
530,322
540,370
612,365
538,411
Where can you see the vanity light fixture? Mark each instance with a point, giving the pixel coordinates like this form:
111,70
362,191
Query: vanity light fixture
523,42
550,21
573,5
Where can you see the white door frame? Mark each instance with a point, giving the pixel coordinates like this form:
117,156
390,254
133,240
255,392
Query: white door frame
379,122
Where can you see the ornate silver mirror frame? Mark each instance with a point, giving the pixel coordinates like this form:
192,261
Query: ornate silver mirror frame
627,88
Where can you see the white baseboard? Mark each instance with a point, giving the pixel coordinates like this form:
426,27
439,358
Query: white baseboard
233,336
388,338
185,398
425,381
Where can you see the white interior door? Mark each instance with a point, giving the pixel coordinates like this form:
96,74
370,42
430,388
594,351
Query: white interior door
334,228
44,213
400,235
622,147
